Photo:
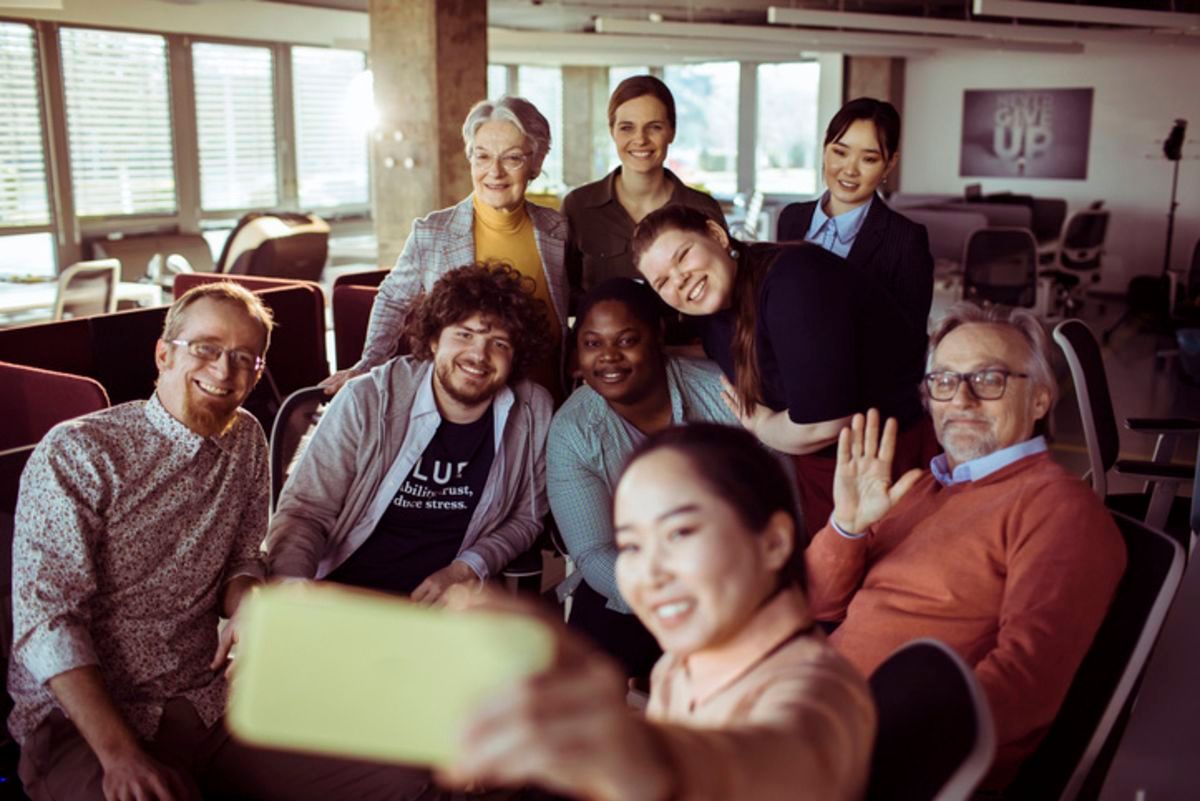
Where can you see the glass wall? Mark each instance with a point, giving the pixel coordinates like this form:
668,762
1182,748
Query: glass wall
542,86
704,153
787,156
331,127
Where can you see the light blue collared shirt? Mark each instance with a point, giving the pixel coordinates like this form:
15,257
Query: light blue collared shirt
836,234
984,465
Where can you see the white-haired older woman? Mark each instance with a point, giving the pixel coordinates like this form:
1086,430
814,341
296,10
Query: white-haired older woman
506,142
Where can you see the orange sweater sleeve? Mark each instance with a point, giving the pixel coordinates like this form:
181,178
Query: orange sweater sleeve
835,566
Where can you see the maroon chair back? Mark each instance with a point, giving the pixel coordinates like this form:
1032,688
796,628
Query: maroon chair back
297,357
36,400
186,281
366,278
351,313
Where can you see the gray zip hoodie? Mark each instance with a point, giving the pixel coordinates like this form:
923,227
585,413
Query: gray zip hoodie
369,438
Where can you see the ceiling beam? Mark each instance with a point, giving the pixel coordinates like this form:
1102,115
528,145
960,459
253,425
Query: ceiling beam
821,39
1096,15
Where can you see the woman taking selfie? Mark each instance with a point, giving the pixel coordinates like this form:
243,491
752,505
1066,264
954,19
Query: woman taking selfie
804,339
862,147
601,215
748,701
630,390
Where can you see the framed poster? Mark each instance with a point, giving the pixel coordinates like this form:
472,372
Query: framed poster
1026,133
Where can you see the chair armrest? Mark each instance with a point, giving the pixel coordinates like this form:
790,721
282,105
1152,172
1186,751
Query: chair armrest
1162,425
1155,470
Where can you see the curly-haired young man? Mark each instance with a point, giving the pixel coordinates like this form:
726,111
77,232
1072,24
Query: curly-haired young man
429,471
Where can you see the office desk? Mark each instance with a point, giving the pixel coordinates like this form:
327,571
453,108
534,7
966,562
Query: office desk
34,302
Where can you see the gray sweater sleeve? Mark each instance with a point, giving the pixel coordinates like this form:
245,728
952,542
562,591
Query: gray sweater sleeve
391,304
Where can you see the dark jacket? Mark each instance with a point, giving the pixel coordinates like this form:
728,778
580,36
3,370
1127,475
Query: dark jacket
889,246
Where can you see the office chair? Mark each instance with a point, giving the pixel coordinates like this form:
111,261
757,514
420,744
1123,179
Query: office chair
1156,505
935,740
36,400
1000,267
277,245
1080,254
86,288
297,416
1073,759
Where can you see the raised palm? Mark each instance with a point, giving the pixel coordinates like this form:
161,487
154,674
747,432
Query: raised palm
863,491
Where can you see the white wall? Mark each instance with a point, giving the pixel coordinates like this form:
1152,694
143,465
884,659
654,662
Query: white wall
1139,91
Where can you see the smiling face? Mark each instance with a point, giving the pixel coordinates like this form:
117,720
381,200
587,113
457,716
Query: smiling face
642,134
969,428
688,566
495,184
472,360
204,395
619,356
854,166
691,271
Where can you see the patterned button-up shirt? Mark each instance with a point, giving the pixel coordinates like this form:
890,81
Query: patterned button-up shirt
128,527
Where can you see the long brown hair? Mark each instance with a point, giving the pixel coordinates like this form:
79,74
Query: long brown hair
753,262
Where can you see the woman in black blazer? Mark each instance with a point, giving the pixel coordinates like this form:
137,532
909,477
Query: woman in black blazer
861,148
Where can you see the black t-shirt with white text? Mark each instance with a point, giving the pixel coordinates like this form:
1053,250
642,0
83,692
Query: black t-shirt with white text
423,528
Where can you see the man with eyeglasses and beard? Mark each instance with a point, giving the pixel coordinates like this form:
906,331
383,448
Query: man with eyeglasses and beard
430,470
997,551
136,529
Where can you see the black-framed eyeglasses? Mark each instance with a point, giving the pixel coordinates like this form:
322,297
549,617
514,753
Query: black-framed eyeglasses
942,385
240,359
509,161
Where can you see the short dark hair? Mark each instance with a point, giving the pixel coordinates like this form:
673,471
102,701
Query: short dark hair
639,86
880,112
492,289
740,471
642,302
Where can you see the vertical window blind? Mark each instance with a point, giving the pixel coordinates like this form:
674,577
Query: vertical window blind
118,122
235,126
331,144
23,199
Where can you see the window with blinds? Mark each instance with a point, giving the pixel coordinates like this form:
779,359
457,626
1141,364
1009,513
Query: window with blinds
118,122
235,126
331,128
23,199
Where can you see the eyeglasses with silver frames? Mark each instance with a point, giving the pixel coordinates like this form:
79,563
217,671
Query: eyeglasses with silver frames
240,359
511,162
942,385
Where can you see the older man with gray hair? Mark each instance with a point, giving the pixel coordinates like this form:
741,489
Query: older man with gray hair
506,142
998,551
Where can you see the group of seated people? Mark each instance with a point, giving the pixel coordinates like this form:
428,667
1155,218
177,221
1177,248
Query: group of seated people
831,469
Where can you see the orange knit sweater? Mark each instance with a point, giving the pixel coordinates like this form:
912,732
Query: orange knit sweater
1015,572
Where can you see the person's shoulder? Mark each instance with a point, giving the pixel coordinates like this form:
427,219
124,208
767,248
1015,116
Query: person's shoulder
100,427
546,219
586,196
536,396
579,410
794,220
703,202
442,219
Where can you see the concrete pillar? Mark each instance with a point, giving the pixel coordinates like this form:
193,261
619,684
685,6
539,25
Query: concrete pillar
586,145
429,61
881,78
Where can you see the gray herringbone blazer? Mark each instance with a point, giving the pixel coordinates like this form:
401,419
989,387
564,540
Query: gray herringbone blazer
439,242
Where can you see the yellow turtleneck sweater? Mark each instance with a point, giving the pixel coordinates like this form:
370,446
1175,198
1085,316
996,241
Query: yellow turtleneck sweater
507,236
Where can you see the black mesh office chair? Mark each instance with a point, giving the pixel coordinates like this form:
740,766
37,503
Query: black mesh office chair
1080,254
935,740
1073,759
1000,267
1157,505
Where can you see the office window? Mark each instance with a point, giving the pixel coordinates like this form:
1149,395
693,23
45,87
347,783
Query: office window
704,153
788,152
497,80
118,122
331,127
235,126
542,86
23,198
